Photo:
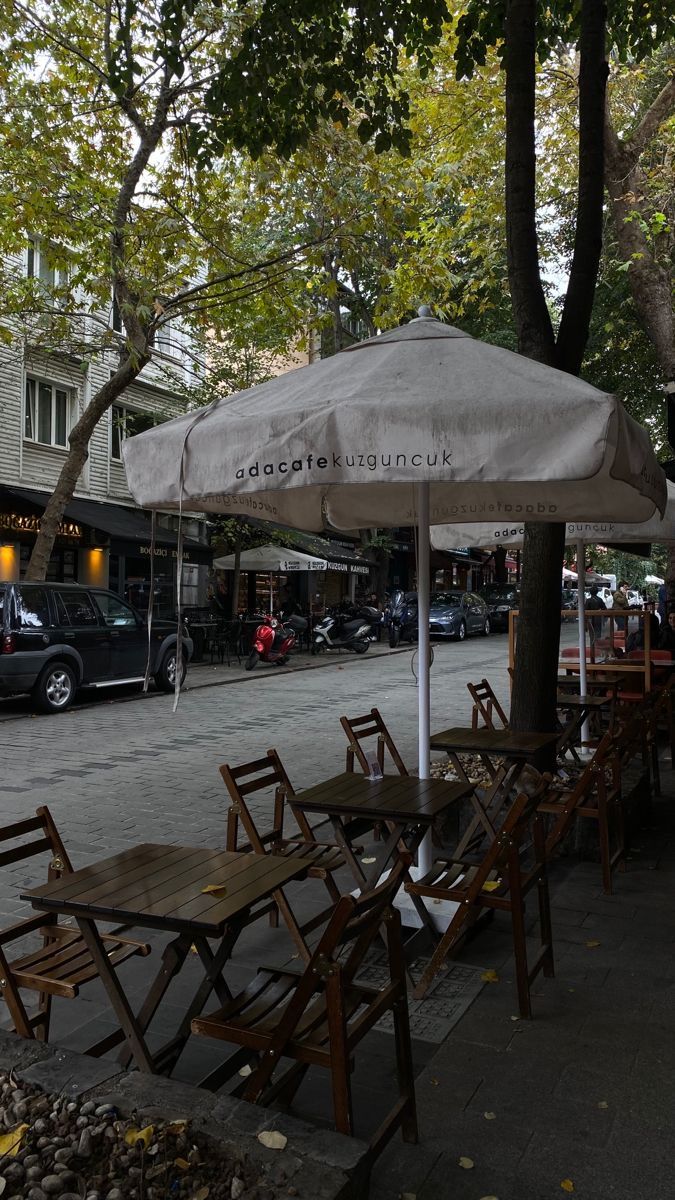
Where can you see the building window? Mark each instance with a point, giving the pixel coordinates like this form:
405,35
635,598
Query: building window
126,422
40,266
168,339
48,416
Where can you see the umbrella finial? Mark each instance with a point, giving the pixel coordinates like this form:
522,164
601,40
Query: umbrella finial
424,310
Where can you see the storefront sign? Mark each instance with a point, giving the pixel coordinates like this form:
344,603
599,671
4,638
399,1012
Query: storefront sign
20,523
165,552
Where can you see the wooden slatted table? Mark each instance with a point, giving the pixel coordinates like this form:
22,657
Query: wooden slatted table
162,887
579,709
407,806
514,750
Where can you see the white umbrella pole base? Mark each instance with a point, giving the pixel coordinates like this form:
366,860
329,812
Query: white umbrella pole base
440,911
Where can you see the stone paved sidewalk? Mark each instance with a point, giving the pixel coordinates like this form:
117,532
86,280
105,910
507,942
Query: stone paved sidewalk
579,1100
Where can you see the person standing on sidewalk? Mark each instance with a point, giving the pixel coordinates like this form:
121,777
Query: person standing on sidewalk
620,603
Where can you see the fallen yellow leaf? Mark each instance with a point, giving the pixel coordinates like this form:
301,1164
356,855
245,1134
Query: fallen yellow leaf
490,1116
592,945
567,1185
433,1082
133,1136
488,1198
245,1070
491,885
490,977
272,1139
603,1104
214,889
367,861
182,1163
10,1143
466,1163
201,1194
408,1196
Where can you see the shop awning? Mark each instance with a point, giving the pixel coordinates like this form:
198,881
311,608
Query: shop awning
115,520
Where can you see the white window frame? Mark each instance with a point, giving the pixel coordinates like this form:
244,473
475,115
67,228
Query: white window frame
31,405
127,411
58,276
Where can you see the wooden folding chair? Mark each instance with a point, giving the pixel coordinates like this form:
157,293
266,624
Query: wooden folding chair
63,963
264,774
358,730
500,881
485,704
318,1018
595,796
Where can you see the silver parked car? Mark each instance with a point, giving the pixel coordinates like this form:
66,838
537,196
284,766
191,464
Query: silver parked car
455,614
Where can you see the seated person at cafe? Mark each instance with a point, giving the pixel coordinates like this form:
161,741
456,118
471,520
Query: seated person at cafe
636,640
667,635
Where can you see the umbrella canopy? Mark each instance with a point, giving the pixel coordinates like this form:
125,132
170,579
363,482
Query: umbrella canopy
654,579
422,423
345,440
271,558
657,529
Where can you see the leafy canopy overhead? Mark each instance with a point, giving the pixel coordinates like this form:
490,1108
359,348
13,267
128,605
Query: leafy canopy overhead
635,28
286,67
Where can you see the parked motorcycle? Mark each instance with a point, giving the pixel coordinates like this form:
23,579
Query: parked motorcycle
274,640
346,631
403,618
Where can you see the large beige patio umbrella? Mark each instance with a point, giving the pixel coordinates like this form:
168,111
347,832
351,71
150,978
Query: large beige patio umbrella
422,424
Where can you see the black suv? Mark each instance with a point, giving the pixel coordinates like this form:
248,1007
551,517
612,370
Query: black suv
500,598
57,637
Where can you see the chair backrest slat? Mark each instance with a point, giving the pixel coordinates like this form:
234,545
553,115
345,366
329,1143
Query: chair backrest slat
18,853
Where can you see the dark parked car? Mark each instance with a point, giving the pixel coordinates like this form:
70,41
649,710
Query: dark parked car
456,613
58,637
501,599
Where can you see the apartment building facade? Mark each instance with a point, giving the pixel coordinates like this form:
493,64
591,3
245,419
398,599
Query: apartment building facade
104,538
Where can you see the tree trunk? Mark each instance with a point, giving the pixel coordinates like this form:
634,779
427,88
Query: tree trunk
77,456
533,704
536,666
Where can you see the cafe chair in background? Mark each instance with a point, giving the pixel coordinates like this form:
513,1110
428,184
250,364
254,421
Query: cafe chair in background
269,775
486,707
62,964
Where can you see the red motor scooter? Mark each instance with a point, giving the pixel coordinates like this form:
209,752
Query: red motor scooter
273,641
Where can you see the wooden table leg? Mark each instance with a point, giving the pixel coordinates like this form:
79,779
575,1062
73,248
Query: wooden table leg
111,983
213,981
496,797
173,957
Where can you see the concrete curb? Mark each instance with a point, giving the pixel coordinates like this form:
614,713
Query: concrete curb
320,1164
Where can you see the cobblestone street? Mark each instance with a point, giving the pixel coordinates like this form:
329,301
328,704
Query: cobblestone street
117,773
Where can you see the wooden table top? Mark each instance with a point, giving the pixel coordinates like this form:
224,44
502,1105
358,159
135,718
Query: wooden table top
505,742
395,797
162,887
574,700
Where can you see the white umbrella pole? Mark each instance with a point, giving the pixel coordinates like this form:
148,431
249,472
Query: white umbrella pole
424,857
581,585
